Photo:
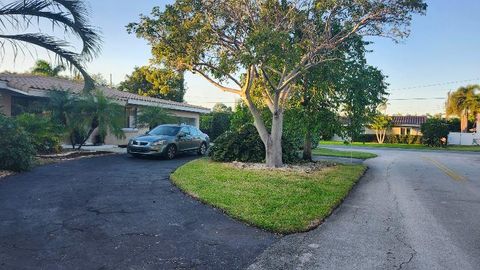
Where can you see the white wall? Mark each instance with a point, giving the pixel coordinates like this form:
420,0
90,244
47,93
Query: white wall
457,138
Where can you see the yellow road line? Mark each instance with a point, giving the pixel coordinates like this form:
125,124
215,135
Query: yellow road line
445,169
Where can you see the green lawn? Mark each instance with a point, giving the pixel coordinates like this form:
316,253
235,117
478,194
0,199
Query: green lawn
339,153
278,201
473,148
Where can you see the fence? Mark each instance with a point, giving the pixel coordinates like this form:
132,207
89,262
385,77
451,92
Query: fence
457,138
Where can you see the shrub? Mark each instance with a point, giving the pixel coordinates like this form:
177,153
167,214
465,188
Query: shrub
46,136
215,123
16,151
245,145
404,139
434,129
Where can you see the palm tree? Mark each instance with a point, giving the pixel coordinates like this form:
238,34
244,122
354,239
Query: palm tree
154,116
465,103
81,115
44,68
68,15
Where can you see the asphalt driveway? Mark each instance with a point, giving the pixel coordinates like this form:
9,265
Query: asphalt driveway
116,212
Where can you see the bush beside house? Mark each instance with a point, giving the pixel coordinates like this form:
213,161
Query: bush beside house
17,151
46,136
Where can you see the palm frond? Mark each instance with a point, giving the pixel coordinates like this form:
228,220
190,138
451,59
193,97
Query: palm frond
75,21
69,15
58,47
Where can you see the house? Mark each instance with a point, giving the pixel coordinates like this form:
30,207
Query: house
404,125
25,90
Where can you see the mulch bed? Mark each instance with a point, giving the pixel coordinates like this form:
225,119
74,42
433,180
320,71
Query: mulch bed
305,167
73,154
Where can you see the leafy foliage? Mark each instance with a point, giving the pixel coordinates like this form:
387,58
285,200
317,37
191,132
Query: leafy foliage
155,82
70,17
46,136
82,115
216,122
381,123
465,102
433,130
154,116
275,42
245,145
17,150
44,68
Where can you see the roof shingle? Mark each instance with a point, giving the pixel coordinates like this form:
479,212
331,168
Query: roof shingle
408,120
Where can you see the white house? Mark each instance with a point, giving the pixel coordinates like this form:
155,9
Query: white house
26,90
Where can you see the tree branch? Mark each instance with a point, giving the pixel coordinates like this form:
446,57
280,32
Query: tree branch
216,84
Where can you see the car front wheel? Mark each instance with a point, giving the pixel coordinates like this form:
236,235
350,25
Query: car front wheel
171,151
202,150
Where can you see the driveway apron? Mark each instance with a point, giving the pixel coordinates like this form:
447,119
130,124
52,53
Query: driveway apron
116,212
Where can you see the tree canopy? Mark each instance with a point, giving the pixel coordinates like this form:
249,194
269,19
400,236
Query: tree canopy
155,82
465,103
44,68
275,41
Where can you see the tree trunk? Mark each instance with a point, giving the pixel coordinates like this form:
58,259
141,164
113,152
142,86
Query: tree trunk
307,146
464,123
382,136
273,147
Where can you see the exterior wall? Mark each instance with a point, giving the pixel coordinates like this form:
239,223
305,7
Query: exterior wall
133,132
457,138
192,115
129,133
6,103
396,131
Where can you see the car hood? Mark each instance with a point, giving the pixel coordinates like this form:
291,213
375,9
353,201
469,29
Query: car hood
152,138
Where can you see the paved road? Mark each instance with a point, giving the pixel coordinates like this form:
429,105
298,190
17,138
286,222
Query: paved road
412,210
116,212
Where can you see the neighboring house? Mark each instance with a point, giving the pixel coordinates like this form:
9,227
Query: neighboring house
404,125
25,90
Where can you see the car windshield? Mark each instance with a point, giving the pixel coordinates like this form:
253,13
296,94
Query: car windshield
164,130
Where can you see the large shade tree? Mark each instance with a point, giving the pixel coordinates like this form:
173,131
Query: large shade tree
465,103
277,40
18,18
155,82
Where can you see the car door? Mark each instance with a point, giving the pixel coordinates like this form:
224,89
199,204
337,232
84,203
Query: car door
185,141
196,138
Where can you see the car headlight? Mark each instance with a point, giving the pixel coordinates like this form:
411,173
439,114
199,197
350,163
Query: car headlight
161,142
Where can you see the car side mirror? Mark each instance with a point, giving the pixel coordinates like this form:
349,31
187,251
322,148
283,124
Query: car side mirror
181,134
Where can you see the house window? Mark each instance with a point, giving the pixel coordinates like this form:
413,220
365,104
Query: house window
22,104
186,121
131,117
405,131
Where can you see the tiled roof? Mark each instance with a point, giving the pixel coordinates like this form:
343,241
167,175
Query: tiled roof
28,83
408,120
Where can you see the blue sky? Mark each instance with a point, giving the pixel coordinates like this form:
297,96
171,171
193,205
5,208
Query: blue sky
444,46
